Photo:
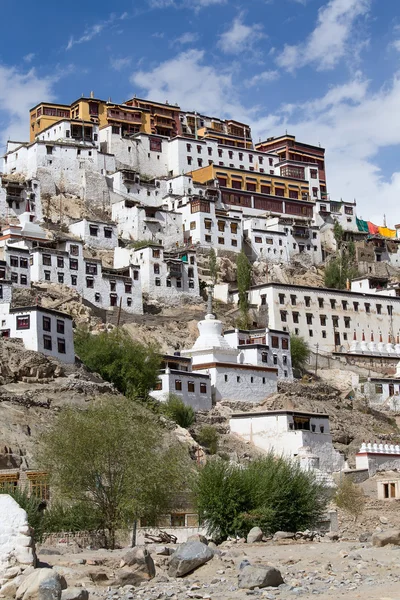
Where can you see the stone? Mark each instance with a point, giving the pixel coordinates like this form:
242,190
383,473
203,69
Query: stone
188,557
365,537
75,593
9,589
259,577
16,546
98,576
214,548
383,520
163,551
391,536
49,551
283,535
137,556
255,535
42,584
197,537
332,535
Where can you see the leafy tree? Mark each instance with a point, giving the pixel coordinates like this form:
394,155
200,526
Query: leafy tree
131,366
178,411
208,437
243,276
299,352
272,492
350,497
213,265
115,459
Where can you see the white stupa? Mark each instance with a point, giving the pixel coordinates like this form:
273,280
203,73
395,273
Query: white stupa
211,346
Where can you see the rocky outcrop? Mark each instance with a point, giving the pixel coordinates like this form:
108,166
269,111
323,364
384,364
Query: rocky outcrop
391,536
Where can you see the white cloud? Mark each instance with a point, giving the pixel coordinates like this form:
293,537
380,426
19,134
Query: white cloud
19,91
330,40
191,4
28,58
240,37
186,38
396,45
96,29
263,77
186,80
354,124
120,63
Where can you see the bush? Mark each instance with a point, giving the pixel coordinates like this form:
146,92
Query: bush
208,437
176,410
132,367
272,493
350,498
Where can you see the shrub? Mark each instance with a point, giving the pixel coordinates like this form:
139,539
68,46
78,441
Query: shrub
131,366
272,493
299,352
208,437
176,410
350,497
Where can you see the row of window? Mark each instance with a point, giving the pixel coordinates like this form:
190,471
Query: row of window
60,325
22,262
221,241
310,317
94,231
48,344
23,279
191,387
89,281
230,154
208,223
168,283
333,303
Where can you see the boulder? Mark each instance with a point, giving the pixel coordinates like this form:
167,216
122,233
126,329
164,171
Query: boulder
251,577
16,546
332,535
365,537
255,535
139,557
188,557
391,536
284,535
197,537
42,584
75,593
9,589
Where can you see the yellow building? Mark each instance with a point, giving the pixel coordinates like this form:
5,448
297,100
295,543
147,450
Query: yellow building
163,117
127,119
250,189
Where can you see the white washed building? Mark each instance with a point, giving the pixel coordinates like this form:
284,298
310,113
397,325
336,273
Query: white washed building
287,433
263,347
279,239
41,329
157,225
176,377
103,287
231,379
166,275
328,317
96,234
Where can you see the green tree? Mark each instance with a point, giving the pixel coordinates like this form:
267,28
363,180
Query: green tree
176,410
299,352
114,458
272,493
213,265
340,269
131,366
208,437
338,234
350,497
243,276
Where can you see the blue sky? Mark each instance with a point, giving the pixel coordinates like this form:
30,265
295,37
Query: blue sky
327,71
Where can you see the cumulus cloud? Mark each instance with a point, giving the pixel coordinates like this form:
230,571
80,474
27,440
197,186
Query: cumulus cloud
185,38
329,41
187,80
19,91
240,37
